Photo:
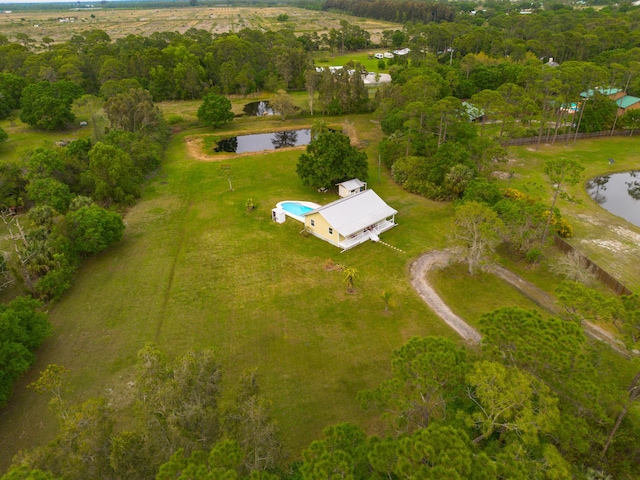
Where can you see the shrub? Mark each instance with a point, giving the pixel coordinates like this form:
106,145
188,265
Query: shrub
564,228
534,255
174,119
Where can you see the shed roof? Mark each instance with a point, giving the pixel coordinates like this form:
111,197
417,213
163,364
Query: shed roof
354,213
352,184
627,101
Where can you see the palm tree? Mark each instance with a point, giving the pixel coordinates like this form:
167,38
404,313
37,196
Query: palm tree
348,277
458,178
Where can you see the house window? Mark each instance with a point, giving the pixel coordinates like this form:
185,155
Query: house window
313,223
330,231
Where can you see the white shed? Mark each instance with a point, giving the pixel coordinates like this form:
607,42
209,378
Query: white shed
350,187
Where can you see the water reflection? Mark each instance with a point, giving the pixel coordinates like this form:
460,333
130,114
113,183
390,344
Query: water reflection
287,138
259,109
633,186
596,188
623,194
264,141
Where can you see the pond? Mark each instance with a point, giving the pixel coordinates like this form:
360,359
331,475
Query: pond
264,141
618,193
257,109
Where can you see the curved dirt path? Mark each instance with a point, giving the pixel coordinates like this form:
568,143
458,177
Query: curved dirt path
419,269
439,258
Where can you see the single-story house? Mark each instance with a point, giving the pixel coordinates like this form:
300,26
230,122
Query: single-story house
349,187
402,52
612,93
374,78
474,113
552,63
351,220
627,102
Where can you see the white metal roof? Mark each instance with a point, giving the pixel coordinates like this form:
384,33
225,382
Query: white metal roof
352,184
355,213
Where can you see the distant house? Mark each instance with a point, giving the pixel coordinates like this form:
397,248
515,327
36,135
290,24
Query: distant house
350,187
402,52
474,113
374,78
612,93
627,103
351,220
552,63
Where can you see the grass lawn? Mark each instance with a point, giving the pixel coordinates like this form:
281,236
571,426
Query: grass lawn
471,296
325,59
23,138
609,241
195,270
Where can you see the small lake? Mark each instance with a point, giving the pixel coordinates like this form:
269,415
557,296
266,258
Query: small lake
264,141
257,109
618,193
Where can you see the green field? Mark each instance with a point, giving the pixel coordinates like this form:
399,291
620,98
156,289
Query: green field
196,270
611,242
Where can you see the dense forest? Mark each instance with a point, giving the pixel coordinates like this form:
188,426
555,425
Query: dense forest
533,403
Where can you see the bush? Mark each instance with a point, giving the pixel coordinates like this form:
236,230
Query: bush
55,283
534,255
564,228
174,119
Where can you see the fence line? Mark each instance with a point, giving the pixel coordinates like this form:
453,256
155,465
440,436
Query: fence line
602,275
568,136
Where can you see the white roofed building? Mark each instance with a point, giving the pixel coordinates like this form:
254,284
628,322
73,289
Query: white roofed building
350,187
351,220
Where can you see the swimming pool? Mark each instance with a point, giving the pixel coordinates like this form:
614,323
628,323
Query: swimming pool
296,209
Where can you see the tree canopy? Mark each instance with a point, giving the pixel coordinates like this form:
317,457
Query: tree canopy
215,110
329,159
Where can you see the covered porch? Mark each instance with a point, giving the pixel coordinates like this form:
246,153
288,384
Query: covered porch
369,233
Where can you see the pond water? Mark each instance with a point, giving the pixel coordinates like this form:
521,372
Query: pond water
618,193
264,141
257,109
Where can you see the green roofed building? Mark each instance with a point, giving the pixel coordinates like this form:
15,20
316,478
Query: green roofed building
627,102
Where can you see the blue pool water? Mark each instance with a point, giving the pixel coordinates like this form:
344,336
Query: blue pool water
295,208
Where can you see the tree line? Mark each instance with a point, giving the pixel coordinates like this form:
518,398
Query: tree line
390,11
61,203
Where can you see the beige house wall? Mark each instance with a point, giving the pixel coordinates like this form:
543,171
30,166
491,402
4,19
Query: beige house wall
635,106
320,228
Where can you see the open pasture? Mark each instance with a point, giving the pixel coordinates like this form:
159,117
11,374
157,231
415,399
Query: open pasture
609,241
196,270
119,23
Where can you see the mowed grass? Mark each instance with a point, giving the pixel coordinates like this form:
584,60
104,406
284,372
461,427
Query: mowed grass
471,296
195,270
609,241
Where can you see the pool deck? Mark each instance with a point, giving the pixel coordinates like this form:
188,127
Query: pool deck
311,205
